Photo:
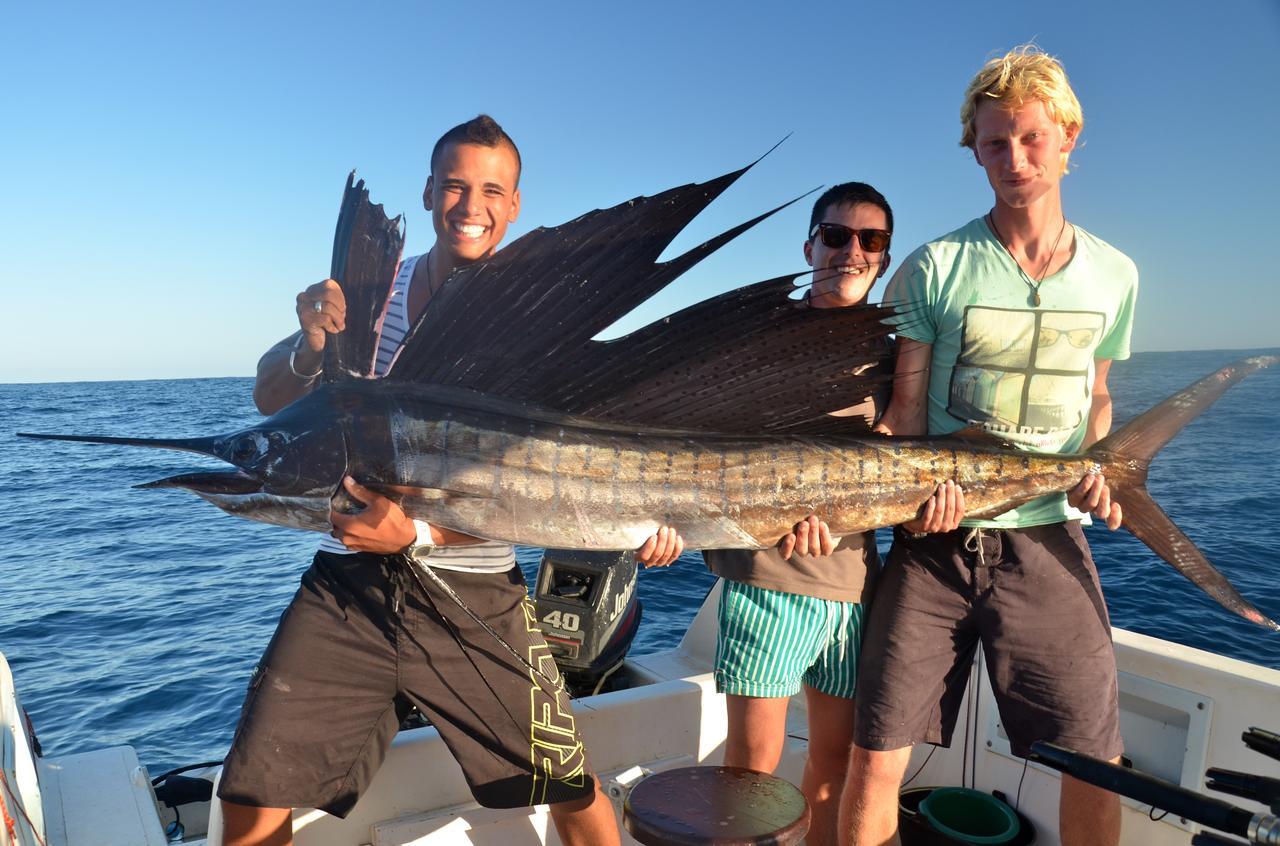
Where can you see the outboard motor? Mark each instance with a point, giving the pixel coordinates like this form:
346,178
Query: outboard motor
587,607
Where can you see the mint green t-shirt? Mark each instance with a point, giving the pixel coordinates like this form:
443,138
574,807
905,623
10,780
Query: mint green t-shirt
1023,372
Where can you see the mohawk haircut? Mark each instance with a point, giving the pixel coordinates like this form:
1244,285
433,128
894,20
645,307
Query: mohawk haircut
482,131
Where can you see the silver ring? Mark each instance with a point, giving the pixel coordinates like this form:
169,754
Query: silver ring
317,305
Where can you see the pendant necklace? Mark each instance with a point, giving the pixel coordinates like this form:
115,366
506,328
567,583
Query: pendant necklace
431,289
431,282
1033,299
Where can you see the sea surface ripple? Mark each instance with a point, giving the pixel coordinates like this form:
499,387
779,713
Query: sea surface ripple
134,617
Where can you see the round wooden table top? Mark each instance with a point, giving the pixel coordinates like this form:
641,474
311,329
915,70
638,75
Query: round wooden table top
716,806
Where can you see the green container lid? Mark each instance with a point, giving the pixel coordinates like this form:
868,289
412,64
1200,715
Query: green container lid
970,816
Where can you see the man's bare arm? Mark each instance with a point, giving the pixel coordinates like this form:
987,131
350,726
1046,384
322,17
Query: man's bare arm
908,409
280,381
908,415
1100,410
276,385
1093,494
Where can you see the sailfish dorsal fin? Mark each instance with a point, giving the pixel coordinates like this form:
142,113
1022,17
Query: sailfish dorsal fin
521,324
496,324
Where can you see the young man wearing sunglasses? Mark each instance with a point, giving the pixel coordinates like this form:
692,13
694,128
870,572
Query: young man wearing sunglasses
1010,323
791,617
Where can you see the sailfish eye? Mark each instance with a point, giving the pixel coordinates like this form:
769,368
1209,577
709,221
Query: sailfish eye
245,448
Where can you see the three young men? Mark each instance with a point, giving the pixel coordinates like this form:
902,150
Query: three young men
1012,322
366,635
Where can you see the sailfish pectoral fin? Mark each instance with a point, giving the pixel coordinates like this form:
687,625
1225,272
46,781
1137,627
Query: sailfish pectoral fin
1148,522
458,511
411,499
344,503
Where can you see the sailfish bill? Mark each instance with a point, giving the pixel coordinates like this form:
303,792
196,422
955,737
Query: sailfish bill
203,446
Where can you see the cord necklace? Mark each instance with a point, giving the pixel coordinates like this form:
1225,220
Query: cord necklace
1033,299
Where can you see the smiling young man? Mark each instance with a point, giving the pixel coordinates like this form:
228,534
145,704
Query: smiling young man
367,635
1011,323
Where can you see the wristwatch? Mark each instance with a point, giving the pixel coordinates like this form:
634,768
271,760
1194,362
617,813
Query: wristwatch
421,546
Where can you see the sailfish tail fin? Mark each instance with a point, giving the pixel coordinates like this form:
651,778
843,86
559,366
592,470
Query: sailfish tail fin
1148,522
1126,456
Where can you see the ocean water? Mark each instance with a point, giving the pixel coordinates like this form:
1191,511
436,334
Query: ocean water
135,617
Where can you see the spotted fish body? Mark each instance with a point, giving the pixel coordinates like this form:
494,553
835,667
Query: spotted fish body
562,482
505,471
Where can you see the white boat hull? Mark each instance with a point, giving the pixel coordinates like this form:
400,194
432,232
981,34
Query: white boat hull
1182,710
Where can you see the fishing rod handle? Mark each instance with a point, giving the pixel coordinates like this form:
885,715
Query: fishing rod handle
1263,829
1261,740
1147,789
1246,785
1208,838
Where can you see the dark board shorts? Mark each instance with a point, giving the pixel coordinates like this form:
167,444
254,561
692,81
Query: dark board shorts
1031,597
362,640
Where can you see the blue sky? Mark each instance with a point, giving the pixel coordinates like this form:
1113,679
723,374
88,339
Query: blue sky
173,171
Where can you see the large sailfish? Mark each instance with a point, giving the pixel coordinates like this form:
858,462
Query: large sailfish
502,418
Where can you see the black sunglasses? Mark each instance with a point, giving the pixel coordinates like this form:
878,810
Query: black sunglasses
834,236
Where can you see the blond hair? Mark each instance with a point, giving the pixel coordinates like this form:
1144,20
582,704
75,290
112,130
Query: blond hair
1024,74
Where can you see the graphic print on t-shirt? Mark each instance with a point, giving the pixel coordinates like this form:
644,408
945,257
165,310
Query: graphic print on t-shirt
1024,374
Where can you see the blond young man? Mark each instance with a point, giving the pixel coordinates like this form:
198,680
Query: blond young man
1012,323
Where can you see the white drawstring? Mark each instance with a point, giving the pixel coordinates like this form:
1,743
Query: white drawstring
838,614
973,543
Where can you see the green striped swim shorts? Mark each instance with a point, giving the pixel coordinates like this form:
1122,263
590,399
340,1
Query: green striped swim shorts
771,642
